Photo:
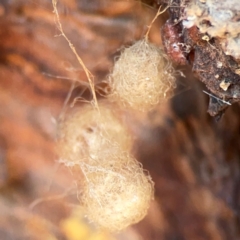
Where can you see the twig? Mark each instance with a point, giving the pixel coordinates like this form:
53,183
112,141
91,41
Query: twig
154,19
87,72
52,198
66,78
211,95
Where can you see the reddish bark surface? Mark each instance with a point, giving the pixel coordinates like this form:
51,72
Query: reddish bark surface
193,160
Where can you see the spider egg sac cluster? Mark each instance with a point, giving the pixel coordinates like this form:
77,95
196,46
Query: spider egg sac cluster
115,191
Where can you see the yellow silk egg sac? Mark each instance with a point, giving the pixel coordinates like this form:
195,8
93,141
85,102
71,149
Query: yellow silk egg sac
87,134
142,76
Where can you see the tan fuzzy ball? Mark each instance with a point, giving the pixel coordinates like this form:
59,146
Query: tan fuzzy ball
142,76
88,134
116,195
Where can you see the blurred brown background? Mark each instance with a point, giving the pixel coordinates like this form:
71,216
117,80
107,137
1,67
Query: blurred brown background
193,160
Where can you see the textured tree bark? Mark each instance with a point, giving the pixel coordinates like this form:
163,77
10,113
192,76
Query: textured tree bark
211,62
193,160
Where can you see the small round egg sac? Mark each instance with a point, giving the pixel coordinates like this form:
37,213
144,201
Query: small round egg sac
141,77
